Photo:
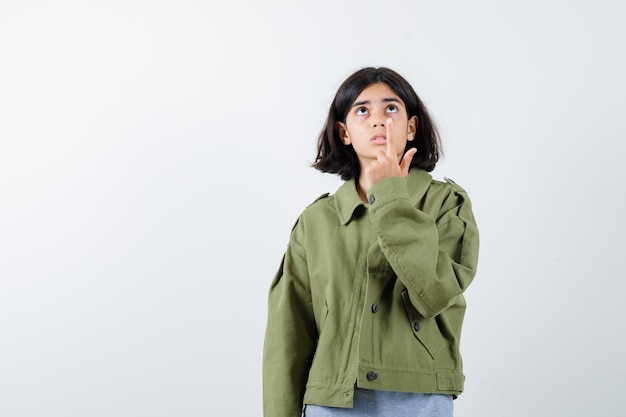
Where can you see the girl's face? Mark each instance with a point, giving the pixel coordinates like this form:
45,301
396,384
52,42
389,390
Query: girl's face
365,126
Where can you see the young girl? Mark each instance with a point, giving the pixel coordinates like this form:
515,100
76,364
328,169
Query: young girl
365,311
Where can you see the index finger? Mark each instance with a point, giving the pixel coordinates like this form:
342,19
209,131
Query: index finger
389,141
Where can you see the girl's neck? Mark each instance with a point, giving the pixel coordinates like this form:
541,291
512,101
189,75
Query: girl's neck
360,190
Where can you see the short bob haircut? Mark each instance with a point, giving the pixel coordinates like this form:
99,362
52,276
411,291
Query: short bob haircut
335,157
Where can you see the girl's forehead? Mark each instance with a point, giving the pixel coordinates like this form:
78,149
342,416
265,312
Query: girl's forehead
376,91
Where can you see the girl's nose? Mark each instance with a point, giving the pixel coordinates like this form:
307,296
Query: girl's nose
378,120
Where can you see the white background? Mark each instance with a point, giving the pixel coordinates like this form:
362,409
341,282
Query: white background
155,154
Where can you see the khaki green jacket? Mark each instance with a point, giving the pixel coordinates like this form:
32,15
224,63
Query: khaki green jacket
371,294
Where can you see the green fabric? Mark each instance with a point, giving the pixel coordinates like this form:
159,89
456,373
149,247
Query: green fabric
411,252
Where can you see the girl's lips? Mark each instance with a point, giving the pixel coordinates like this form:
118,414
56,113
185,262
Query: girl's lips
378,140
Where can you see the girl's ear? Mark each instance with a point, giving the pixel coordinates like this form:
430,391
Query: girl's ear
343,133
412,128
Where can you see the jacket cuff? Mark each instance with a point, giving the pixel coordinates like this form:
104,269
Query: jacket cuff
387,190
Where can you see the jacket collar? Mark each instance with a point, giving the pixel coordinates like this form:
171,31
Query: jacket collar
347,199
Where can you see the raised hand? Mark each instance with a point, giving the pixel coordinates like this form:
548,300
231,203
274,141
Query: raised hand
387,163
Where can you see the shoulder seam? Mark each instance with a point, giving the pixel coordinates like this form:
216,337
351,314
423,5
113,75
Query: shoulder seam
456,187
320,198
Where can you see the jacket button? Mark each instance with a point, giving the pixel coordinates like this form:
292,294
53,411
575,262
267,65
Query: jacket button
372,199
374,308
416,326
372,375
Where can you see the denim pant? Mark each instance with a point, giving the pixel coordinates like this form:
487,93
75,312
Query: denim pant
373,403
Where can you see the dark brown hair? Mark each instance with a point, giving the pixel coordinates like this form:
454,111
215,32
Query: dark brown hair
335,157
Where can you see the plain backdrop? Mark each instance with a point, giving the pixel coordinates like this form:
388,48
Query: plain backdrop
155,154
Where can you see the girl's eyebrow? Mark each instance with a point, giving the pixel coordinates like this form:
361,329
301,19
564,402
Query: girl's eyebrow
385,100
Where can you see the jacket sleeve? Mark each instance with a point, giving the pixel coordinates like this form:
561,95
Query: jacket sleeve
435,258
290,337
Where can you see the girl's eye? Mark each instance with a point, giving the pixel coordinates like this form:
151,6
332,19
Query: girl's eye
361,111
392,109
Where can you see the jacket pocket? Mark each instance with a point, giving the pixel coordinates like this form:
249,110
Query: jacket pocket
426,331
